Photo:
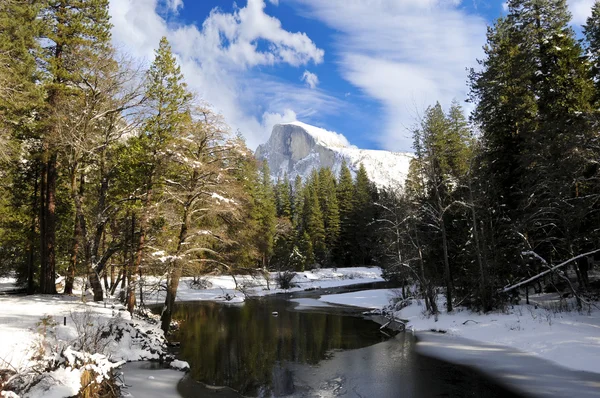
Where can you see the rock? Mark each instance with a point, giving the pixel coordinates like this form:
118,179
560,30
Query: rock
297,148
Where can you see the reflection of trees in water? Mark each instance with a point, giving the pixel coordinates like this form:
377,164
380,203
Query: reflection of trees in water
247,348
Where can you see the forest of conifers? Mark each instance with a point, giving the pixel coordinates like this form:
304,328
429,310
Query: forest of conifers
111,170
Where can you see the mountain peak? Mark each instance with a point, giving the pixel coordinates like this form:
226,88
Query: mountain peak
297,148
324,137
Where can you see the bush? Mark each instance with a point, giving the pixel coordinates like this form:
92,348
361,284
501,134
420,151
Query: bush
284,280
199,284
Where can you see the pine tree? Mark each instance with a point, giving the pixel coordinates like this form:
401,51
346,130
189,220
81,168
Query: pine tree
362,217
266,216
298,203
443,159
20,96
73,31
313,218
345,196
286,198
19,93
168,103
283,195
307,255
591,31
330,209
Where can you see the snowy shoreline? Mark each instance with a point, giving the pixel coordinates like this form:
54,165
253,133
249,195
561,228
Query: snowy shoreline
28,321
568,339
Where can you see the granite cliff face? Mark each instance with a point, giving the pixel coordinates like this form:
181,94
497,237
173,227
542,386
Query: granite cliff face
297,148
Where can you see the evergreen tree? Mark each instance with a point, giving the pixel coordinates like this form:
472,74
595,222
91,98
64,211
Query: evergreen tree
283,194
286,198
266,216
19,93
345,196
73,32
168,102
313,223
305,249
330,209
20,96
591,31
362,218
298,203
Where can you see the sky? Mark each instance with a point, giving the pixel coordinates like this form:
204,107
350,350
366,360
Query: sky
364,68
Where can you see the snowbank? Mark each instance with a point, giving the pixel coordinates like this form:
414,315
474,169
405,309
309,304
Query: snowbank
570,339
372,299
33,334
223,287
30,324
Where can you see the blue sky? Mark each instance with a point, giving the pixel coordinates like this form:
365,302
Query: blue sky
363,68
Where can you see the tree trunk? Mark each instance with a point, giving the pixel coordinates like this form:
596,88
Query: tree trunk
430,299
43,227
137,259
76,234
172,286
49,273
32,238
95,284
70,279
483,290
175,272
447,274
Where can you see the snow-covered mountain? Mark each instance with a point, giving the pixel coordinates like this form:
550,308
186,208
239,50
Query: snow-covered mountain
297,148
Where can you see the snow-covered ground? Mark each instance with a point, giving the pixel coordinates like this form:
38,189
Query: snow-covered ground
223,287
372,299
33,331
29,324
570,339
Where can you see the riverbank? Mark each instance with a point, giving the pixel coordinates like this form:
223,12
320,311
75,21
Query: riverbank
544,329
236,289
34,334
49,341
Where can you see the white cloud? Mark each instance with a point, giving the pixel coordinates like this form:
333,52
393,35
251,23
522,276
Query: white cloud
271,119
311,79
174,5
220,60
406,54
274,2
581,10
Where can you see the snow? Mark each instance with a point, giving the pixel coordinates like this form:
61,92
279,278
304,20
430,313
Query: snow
68,383
22,335
384,168
324,137
521,371
571,339
180,365
142,380
305,303
568,338
223,287
220,198
522,337
372,299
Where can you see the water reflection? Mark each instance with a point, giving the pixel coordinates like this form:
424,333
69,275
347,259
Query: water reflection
251,350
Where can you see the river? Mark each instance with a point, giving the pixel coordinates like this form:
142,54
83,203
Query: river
267,347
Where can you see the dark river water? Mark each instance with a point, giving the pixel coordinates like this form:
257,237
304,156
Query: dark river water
267,348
